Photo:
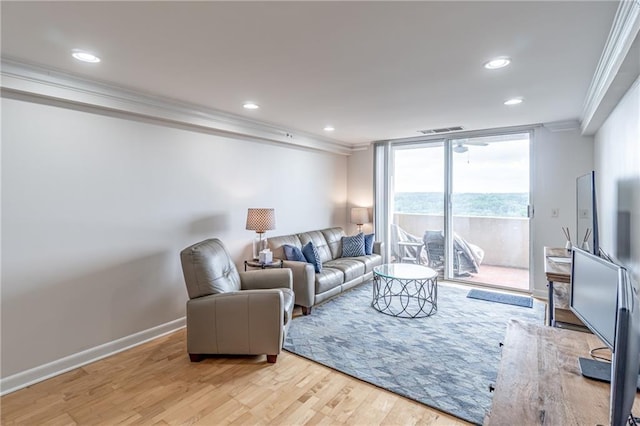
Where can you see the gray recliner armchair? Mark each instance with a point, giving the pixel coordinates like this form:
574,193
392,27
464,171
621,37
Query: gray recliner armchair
231,312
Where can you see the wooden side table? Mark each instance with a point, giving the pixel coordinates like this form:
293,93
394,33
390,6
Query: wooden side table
558,276
252,263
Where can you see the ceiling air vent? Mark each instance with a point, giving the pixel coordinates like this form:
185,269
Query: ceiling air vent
441,130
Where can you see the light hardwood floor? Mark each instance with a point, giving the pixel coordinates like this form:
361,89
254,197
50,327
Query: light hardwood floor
156,384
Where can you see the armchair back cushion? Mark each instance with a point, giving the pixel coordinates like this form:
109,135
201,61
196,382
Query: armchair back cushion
208,269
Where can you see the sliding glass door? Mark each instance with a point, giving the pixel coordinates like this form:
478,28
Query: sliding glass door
489,210
418,194
460,206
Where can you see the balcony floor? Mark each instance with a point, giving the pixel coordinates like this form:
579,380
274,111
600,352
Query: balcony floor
512,278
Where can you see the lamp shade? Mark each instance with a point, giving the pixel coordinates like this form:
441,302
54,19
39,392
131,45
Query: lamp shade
360,215
261,220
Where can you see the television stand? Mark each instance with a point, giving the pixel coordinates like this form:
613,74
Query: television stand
539,380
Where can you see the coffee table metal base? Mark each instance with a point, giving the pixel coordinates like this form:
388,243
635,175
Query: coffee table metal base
405,298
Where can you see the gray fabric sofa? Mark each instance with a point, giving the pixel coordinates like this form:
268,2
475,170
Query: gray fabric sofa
338,273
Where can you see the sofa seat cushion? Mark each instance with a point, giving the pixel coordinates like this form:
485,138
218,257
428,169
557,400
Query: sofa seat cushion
288,299
370,261
327,279
351,267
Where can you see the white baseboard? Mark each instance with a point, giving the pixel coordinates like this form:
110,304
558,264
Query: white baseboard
34,375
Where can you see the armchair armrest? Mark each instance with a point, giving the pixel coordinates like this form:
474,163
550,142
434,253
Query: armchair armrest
266,278
244,322
304,282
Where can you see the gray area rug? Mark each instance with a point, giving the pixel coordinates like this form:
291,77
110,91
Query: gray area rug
445,361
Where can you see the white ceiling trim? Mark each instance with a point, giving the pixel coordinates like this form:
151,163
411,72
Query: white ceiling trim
626,26
562,126
48,83
463,134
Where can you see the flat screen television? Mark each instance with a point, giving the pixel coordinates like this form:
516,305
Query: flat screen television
605,300
587,214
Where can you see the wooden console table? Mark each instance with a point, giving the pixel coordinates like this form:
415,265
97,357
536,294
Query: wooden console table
558,281
539,381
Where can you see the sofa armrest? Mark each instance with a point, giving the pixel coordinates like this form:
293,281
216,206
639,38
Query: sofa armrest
304,282
244,322
378,247
266,278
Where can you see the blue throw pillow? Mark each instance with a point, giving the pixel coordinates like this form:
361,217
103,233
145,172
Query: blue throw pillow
293,253
311,255
368,243
353,246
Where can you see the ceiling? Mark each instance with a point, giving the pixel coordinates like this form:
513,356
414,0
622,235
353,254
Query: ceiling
373,70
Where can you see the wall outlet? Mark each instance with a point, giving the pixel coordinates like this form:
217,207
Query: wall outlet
555,212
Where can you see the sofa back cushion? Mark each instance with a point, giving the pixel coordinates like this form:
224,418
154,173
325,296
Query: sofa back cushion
276,244
333,236
328,243
208,269
319,243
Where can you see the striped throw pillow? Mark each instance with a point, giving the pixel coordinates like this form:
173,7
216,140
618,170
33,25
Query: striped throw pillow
353,246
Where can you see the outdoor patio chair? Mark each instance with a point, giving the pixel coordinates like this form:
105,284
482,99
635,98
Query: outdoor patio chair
464,259
405,247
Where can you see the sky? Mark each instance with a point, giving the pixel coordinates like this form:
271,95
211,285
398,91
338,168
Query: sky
497,167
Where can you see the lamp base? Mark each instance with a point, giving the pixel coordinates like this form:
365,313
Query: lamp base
259,244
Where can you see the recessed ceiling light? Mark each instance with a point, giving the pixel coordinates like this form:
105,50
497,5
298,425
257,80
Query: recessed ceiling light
514,101
329,128
496,63
83,56
251,105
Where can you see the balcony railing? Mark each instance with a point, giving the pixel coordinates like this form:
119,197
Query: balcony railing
505,241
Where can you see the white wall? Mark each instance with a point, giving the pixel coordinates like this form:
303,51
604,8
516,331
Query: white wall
96,208
360,183
617,153
558,159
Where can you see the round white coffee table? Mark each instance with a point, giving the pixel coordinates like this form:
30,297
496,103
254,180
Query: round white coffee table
405,290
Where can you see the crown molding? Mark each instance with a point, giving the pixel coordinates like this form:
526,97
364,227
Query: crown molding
20,77
462,134
624,31
361,146
562,126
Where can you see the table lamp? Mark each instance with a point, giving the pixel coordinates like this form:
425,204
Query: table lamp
360,216
260,220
